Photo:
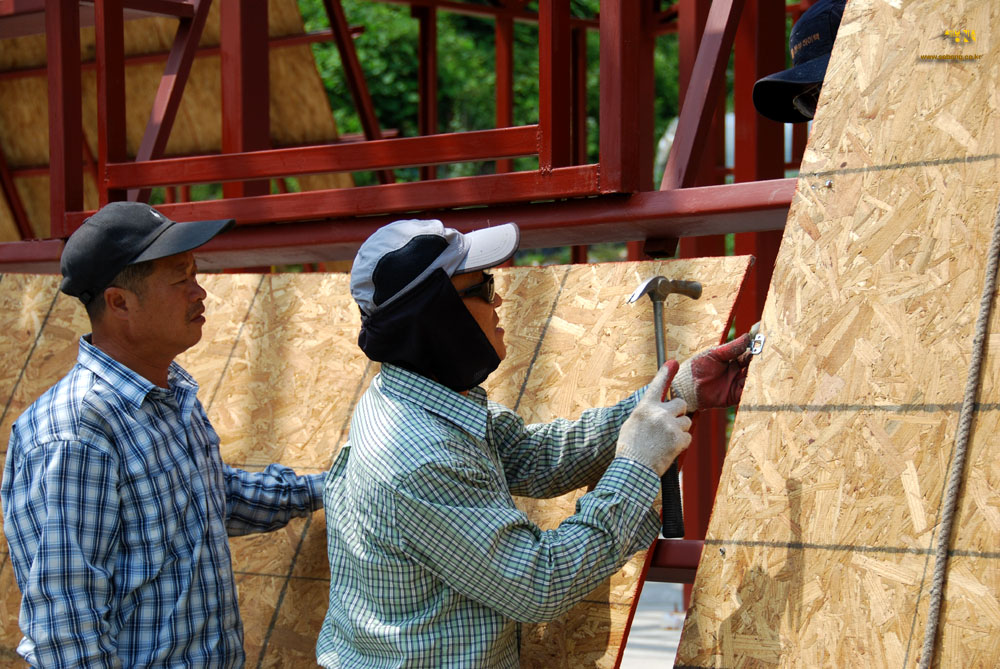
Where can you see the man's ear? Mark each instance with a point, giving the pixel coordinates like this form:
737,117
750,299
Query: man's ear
116,302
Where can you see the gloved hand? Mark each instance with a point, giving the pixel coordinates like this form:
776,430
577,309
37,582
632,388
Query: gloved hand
657,431
714,378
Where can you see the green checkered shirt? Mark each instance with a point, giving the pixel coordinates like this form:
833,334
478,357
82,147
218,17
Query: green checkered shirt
431,563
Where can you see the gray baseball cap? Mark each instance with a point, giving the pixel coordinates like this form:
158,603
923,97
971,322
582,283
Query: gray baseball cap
121,234
398,256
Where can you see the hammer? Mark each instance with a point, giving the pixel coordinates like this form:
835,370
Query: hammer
658,288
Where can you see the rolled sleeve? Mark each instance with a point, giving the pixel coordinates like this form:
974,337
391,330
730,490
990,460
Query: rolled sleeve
267,500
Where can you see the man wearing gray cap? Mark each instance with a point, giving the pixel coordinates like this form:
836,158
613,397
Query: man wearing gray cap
431,563
116,502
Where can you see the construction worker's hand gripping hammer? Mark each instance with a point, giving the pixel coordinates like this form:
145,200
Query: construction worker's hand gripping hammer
658,288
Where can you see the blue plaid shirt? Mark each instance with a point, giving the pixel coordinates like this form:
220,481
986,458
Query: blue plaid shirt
431,563
117,507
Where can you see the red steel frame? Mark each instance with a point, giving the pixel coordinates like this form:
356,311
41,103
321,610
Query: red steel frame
564,202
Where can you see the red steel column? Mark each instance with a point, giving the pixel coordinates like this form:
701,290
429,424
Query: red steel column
109,27
62,30
504,45
427,75
245,87
760,50
621,30
709,428
578,254
554,84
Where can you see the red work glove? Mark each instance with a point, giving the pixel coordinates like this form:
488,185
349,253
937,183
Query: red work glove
714,378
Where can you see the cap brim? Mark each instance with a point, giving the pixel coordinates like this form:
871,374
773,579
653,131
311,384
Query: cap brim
490,247
773,94
181,237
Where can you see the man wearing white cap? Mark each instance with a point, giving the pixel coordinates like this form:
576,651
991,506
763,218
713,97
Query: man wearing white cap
431,563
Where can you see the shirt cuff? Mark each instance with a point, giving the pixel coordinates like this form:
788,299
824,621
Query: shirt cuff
636,481
316,484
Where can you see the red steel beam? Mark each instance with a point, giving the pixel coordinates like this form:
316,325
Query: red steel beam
707,77
554,84
90,163
157,7
373,155
202,51
168,95
721,209
65,117
675,560
712,209
245,77
513,10
19,18
355,77
33,256
390,198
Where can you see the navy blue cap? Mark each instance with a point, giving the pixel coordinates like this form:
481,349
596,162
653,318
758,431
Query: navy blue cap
121,234
810,42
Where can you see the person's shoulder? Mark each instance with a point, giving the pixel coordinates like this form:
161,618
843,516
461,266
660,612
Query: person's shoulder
394,434
72,409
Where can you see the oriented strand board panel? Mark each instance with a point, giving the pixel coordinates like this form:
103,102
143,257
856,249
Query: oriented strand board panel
299,107
819,550
280,372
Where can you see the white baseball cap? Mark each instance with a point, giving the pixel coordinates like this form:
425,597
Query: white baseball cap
398,256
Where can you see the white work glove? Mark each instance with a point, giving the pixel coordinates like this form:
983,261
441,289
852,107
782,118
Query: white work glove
714,378
657,431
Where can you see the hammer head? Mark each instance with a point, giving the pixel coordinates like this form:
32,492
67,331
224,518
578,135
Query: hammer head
658,287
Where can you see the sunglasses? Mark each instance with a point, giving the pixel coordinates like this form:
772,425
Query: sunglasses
483,290
805,102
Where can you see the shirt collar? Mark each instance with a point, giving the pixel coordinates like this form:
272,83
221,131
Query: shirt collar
468,412
133,387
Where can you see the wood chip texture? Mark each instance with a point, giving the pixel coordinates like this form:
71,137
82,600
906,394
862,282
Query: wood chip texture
819,550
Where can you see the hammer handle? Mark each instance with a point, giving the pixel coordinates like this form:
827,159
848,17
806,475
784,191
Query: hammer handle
673,512
670,485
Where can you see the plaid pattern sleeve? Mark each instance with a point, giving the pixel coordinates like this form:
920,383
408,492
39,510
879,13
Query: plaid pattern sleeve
265,501
550,459
116,504
431,562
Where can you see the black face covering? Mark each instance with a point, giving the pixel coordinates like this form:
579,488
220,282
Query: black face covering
430,331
